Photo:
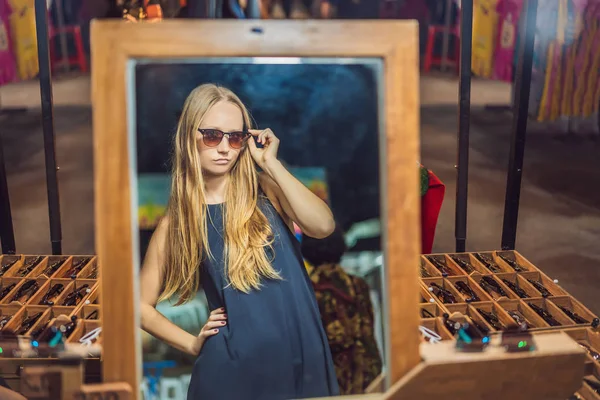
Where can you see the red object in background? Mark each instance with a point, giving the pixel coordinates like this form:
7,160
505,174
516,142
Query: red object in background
431,205
453,58
79,59
8,66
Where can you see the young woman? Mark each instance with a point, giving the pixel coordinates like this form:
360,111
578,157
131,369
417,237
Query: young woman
228,228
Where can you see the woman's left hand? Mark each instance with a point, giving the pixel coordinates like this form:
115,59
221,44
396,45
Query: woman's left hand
270,142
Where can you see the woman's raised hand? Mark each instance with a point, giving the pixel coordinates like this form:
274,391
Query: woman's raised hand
270,142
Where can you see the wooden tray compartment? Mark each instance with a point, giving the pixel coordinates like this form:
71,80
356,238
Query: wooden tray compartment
437,325
22,281
29,267
77,285
471,260
491,256
426,297
534,321
15,323
587,392
434,309
453,269
549,284
6,283
66,270
11,310
445,285
427,270
15,260
472,313
495,296
573,305
482,294
91,270
85,311
83,328
51,261
39,296
587,336
505,320
521,283
49,317
522,264
94,296
552,309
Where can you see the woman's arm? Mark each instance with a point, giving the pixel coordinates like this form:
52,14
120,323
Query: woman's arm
304,207
154,322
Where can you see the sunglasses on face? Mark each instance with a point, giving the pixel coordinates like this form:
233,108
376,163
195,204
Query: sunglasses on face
213,137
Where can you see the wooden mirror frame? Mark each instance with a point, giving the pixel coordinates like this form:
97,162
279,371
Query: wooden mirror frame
116,43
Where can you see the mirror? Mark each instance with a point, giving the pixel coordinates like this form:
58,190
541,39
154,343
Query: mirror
341,97
326,114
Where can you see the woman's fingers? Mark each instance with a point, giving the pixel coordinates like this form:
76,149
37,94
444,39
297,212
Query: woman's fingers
263,136
218,311
208,332
255,132
217,317
214,324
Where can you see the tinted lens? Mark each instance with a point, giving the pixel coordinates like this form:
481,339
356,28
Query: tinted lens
237,139
211,137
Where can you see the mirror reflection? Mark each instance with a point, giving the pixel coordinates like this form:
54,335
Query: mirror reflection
259,226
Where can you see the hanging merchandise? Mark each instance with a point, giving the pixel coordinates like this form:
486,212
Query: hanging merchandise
7,60
547,35
508,18
589,98
24,40
584,61
485,21
553,88
574,31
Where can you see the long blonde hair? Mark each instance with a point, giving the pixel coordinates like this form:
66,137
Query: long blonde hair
248,234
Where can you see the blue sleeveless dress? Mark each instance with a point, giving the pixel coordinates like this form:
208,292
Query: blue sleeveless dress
274,346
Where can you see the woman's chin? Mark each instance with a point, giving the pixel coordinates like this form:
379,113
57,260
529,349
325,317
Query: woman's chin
217,170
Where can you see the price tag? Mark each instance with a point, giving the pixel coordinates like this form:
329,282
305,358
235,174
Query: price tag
105,391
39,383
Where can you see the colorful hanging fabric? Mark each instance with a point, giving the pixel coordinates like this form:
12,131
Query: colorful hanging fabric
485,20
545,29
24,39
551,36
555,87
584,57
8,69
589,98
574,31
508,17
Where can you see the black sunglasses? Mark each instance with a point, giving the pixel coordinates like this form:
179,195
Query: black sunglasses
213,137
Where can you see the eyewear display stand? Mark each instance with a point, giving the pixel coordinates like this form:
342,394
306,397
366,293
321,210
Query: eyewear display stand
552,371
41,292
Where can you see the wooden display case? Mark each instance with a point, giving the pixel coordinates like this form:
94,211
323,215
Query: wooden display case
37,317
556,301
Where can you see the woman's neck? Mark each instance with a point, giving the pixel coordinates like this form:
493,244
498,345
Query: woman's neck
215,187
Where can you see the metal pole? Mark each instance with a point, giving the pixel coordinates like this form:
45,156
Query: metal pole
7,233
519,128
41,24
464,112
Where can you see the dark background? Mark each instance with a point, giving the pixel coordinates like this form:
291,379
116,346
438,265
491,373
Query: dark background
326,115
